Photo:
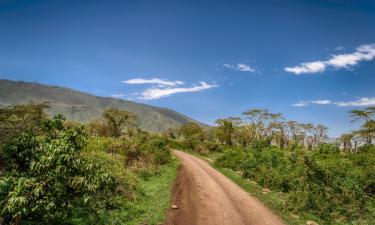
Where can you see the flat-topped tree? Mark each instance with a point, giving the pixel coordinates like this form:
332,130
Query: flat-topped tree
368,127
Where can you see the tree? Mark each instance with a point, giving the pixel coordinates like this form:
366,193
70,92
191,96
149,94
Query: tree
319,133
190,129
118,119
16,119
257,119
279,133
225,129
192,134
367,131
346,142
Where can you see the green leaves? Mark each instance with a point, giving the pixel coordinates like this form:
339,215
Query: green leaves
333,185
51,178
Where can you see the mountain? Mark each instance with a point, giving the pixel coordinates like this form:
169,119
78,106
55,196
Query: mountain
84,107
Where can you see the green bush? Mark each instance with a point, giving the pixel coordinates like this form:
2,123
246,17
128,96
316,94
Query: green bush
334,186
52,172
48,180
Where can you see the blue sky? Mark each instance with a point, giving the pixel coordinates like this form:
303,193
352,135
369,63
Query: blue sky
313,61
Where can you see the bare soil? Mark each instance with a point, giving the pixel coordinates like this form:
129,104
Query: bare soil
206,197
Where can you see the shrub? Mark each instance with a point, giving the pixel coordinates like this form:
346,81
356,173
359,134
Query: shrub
51,180
324,182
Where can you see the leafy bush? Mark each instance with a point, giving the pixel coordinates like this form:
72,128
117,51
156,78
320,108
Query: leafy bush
53,172
332,185
48,180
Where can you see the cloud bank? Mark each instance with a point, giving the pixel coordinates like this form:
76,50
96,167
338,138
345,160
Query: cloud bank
346,61
364,102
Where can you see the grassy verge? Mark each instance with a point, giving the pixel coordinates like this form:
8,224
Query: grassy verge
156,196
145,190
151,199
273,200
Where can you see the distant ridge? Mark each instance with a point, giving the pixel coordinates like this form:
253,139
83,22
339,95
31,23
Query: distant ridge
84,107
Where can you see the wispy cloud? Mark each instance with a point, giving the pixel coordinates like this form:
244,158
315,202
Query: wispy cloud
156,92
321,102
240,67
356,103
163,88
301,104
362,53
153,81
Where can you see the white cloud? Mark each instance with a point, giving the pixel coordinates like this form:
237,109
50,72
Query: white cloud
362,53
321,102
157,92
301,104
357,103
240,67
153,81
311,67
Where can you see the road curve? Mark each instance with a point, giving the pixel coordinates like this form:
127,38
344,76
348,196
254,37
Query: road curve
206,197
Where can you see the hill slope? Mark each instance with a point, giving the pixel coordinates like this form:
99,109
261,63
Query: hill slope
84,107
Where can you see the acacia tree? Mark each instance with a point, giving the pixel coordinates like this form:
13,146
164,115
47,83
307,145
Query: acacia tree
346,142
319,133
16,119
118,119
368,130
190,129
226,128
192,134
257,118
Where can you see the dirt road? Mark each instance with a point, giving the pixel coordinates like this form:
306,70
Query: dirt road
206,197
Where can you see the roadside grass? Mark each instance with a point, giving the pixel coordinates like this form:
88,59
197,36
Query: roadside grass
146,193
155,197
150,202
273,200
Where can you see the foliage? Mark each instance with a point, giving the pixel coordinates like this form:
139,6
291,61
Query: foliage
117,119
48,180
53,172
337,187
16,119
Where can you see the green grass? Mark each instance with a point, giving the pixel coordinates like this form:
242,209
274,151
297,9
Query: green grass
156,199
151,200
148,191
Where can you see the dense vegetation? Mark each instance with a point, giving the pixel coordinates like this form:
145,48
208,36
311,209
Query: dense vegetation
57,172
54,171
328,183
